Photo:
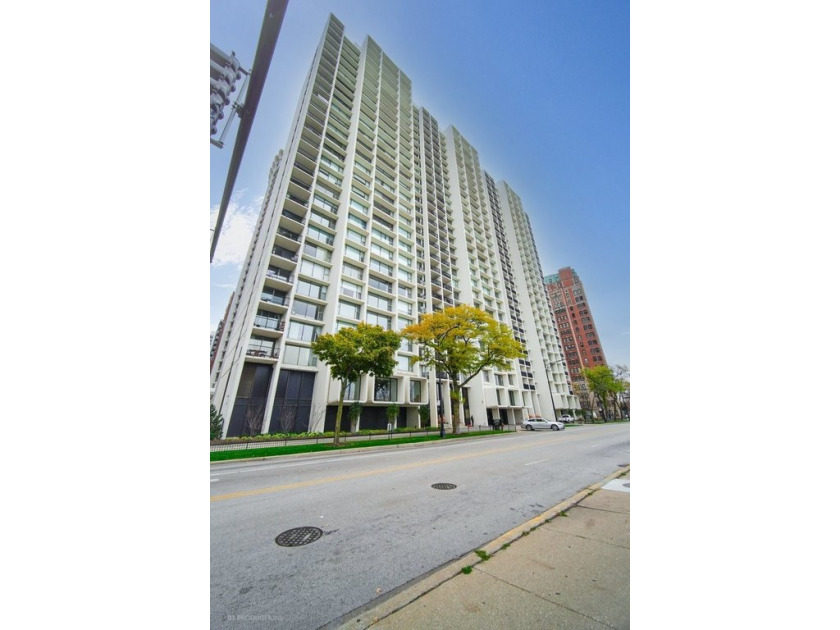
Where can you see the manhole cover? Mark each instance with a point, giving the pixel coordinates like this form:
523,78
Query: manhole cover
298,536
444,486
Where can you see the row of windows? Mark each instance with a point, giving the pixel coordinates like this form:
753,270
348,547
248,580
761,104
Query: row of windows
385,390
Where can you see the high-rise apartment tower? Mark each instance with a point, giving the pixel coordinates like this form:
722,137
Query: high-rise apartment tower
575,323
374,214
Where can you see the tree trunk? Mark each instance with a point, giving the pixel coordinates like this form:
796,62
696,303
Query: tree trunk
455,400
338,414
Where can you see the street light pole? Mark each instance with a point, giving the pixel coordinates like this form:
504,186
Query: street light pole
550,393
440,405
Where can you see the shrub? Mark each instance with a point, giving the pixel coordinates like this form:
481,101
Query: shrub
216,423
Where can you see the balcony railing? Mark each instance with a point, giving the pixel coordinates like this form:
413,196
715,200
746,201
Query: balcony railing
284,253
262,352
279,276
297,200
275,299
288,234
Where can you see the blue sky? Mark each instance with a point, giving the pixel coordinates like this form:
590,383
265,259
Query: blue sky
540,88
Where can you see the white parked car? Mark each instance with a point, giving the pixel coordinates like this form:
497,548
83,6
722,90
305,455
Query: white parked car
541,423
566,418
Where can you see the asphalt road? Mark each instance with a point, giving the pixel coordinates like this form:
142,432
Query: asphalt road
383,524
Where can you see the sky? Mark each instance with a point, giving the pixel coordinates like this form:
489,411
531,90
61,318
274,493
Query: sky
540,88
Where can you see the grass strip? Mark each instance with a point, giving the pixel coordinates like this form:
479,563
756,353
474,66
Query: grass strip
271,451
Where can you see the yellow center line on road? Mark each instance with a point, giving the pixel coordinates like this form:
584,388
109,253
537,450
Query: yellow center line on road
378,471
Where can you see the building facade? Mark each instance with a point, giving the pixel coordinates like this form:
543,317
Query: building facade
374,214
575,324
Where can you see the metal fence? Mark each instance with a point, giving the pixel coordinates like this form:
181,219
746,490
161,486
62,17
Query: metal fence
235,446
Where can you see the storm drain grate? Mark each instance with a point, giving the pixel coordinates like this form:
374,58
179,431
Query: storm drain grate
444,486
298,536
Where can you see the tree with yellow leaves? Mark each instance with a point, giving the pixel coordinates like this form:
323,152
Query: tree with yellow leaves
461,341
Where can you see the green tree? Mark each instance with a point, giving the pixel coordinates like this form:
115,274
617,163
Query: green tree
352,352
599,380
605,386
216,423
461,341
620,374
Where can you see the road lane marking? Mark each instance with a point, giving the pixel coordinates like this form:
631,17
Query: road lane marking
381,471
212,480
536,462
366,473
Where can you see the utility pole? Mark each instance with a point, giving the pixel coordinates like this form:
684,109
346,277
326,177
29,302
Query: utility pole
272,21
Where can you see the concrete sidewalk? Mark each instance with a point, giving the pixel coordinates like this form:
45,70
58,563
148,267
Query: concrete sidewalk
566,568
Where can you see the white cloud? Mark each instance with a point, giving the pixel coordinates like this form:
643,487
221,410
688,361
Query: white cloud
237,230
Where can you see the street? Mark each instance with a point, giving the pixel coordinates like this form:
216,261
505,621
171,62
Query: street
373,522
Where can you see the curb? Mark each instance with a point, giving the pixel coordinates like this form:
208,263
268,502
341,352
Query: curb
366,619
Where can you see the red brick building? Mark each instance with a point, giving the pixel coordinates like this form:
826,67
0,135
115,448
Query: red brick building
575,324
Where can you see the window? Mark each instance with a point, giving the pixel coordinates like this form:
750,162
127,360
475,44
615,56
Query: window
320,202
404,307
358,206
346,309
404,275
355,254
296,355
360,192
312,290
320,219
308,309
376,283
382,236
415,391
267,319
381,267
317,252
276,272
353,235
352,271
381,251
329,162
379,320
319,235
351,392
351,290
303,332
404,291
403,363
379,302
352,218
261,346
275,296
385,389
319,272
